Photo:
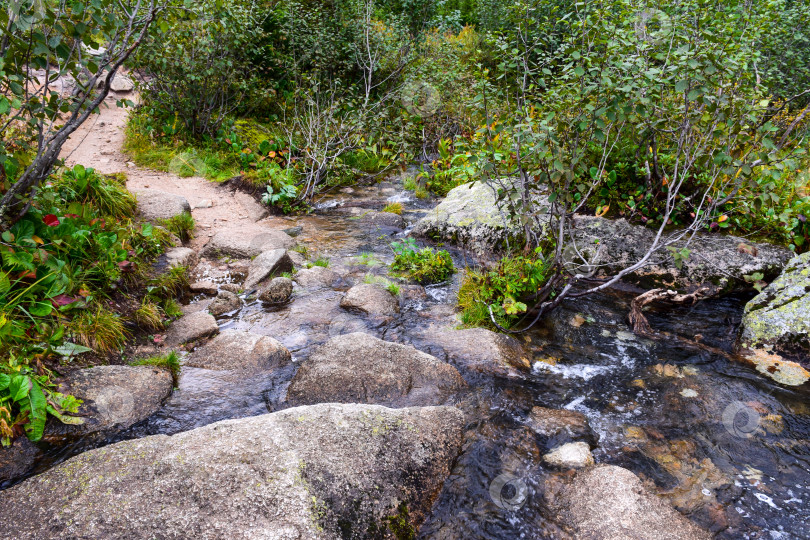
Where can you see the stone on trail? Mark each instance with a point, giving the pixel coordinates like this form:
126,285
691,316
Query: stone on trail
278,291
372,299
359,368
322,471
246,242
181,256
157,205
265,264
191,327
240,350
254,210
610,503
225,302
115,397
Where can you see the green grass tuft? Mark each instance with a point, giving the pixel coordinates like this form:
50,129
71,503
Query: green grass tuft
170,362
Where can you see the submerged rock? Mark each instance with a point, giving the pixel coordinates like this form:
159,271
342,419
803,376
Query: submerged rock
323,471
573,455
359,368
372,299
191,327
384,219
278,291
156,205
115,397
246,242
17,459
225,302
240,350
265,264
779,317
610,503
561,425
471,216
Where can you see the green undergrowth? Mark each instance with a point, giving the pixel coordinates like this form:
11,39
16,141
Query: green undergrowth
505,289
169,362
425,266
72,275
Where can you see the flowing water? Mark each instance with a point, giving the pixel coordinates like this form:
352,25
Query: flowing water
723,445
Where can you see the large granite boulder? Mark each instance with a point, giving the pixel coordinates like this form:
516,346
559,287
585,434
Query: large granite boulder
115,397
240,350
779,317
610,503
470,215
323,471
156,205
359,368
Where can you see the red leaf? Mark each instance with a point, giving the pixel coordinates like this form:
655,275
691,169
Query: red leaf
72,216
63,300
51,220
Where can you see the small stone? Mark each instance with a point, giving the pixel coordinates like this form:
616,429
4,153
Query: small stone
293,231
181,256
225,302
231,287
205,203
570,455
203,287
278,291
688,393
561,425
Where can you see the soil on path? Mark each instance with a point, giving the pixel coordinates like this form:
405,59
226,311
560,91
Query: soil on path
99,143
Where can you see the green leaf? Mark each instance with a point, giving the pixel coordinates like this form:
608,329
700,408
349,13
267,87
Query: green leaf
70,349
5,105
5,380
19,387
40,309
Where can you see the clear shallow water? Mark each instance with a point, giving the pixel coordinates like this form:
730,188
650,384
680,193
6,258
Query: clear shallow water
726,447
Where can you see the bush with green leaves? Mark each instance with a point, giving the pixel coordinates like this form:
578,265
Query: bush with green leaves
503,292
425,266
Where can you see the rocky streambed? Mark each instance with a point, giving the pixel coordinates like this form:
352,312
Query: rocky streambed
319,405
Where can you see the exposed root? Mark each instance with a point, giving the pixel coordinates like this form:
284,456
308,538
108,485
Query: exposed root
639,322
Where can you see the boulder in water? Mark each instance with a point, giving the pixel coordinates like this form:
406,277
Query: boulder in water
372,299
240,350
322,471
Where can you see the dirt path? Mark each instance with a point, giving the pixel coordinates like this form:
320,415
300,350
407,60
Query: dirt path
99,144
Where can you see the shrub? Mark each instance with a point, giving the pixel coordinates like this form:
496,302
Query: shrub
181,225
393,208
424,266
505,290
90,194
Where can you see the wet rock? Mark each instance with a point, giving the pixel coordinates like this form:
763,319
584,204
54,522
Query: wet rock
323,471
779,317
278,291
573,455
267,263
317,276
384,219
470,216
156,205
17,459
191,327
231,287
479,350
777,368
115,397
225,302
359,368
240,350
181,256
254,210
204,287
246,242
610,503
293,231
372,299
561,425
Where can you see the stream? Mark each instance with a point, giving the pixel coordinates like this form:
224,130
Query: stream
722,444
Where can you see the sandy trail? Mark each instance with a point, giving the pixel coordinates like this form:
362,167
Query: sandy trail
99,142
